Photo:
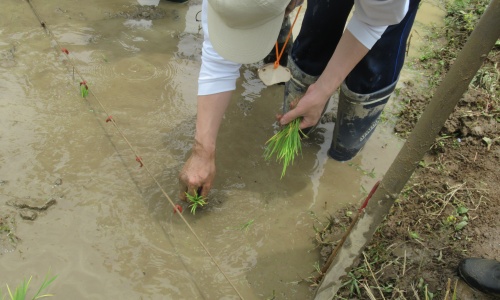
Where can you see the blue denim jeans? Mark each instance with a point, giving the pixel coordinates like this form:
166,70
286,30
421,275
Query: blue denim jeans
322,27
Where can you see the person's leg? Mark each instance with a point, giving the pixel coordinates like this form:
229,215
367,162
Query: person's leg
368,87
321,29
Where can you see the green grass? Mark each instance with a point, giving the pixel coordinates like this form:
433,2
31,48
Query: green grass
285,144
21,291
196,201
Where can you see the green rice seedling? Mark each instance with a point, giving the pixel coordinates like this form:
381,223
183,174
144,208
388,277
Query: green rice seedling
21,291
196,200
285,144
243,227
246,225
84,89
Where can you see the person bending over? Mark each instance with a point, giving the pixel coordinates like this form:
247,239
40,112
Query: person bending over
363,59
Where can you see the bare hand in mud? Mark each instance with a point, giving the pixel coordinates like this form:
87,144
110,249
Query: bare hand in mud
198,174
309,107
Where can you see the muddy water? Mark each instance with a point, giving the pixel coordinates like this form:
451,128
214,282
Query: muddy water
112,234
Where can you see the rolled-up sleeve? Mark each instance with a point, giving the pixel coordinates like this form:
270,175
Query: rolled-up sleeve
371,18
217,74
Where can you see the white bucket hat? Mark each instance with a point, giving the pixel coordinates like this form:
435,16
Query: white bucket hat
245,31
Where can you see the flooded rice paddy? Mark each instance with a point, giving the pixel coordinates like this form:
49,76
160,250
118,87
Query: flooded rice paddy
111,233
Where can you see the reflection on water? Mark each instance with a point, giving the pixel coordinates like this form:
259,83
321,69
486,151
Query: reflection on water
112,233
138,24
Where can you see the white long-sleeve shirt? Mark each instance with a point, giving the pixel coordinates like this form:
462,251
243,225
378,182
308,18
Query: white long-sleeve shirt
369,21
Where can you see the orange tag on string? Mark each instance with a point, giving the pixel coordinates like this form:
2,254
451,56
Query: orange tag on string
275,73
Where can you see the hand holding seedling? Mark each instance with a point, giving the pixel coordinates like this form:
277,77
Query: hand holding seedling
199,170
197,175
309,107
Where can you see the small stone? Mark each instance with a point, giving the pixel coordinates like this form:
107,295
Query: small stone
478,131
399,252
478,232
328,237
27,214
326,251
58,181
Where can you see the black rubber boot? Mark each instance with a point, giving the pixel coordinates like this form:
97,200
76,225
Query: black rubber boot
481,274
297,86
271,57
357,118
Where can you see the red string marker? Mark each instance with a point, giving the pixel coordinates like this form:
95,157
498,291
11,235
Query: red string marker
109,119
139,160
84,83
178,208
65,51
374,188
